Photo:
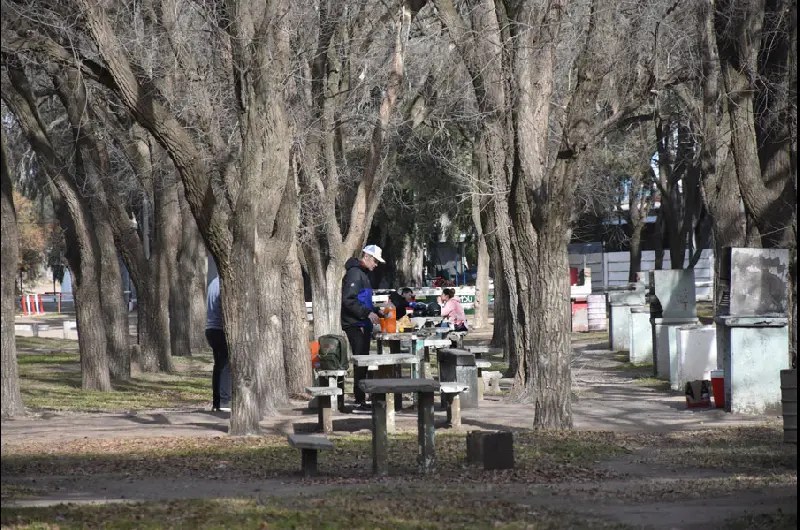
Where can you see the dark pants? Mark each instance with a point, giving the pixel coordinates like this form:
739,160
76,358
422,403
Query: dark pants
216,339
359,339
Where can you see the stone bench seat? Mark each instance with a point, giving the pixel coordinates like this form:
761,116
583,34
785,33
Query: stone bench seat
318,391
332,378
482,364
309,445
323,395
450,394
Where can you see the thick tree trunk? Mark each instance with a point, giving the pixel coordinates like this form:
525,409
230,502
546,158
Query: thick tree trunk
193,273
153,314
170,243
409,266
296,352
253,328
550,372
115,314
326,297
11,397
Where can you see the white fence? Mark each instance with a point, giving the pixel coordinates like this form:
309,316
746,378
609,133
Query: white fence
610,269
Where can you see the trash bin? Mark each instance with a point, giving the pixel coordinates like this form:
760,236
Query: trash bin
458,366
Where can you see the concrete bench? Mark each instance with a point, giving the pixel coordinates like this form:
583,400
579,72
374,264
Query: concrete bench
323,394
450,392
459,366
309,445
481,365
332,378
378,389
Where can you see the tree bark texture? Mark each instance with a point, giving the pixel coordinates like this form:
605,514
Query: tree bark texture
12,404
296,350
92,170
76,219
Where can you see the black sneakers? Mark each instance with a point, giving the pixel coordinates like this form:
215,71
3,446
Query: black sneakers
363,406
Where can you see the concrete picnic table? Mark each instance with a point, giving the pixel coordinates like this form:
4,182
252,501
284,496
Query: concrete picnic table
379,389
383,366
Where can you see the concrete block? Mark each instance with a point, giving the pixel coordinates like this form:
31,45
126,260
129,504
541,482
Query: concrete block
758,281
641,336
675,290
475,446
665,346
697,354
498,451
753,357
620,328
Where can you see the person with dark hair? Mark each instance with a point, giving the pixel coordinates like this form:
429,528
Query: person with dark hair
402,301
452,310
358,314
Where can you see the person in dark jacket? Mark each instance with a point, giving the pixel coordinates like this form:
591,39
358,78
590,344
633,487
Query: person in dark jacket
402,301
358,314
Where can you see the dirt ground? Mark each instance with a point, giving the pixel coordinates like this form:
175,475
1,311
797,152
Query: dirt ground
646,491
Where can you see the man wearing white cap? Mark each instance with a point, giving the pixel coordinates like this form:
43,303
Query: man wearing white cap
358,313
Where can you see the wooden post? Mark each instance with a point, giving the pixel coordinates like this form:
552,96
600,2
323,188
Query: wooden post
325,414
309,462
425,433
380,436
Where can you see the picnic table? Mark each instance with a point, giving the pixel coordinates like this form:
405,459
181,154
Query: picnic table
383,367
380,389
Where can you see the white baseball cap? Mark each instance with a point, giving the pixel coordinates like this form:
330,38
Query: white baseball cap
374,251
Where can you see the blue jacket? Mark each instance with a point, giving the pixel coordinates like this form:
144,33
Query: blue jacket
356,296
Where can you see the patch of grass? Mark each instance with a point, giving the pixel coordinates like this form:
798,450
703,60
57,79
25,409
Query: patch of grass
591,336
541,457
52,381
750,448
40,343
627,366
401,507
705,312
652,382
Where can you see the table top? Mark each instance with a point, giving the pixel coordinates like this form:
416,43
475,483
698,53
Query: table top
384,360
389,386
395,336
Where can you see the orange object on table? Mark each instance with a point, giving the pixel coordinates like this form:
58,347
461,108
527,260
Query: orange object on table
314,354
389,320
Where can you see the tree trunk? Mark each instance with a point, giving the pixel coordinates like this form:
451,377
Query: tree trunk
76,219
482,281
193,274
635,253
115,313
11,397
409,266
549,376
326,297
170,236
296,352
153,313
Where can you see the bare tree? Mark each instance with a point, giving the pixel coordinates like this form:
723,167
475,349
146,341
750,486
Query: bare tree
75,216
11,398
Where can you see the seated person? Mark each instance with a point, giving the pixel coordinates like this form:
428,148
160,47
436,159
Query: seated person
453,311
402,301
